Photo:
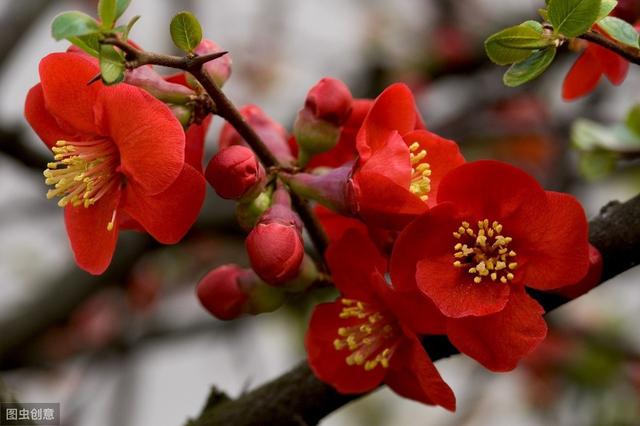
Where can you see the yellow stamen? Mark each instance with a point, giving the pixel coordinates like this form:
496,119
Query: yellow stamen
420,172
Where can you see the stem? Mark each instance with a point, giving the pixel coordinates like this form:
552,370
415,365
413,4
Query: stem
227,110
630,54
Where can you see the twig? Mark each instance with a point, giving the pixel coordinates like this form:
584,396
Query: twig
299,395
630,54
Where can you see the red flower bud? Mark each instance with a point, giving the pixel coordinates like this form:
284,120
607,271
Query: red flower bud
330,100
218,69
275,245
273,135
221,294
235,173
148,79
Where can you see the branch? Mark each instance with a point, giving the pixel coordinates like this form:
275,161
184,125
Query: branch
630,54
227,110
298,398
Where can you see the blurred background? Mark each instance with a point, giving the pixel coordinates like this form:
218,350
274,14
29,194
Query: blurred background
133,347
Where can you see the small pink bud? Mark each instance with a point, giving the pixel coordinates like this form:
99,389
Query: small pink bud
274,136
330,100
220,293
235,173
219,69
148,79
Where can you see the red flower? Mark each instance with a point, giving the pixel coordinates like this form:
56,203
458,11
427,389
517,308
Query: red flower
119,155
368,335
594,62
494,231
399,170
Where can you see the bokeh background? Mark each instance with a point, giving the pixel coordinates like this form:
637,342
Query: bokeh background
134,347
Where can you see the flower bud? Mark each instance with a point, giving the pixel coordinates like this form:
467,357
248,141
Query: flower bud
148,79
275,245
273,135
230,291
183,113
248,212
235,173
330,100
218,69
317,126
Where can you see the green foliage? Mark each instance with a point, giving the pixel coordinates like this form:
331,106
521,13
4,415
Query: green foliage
127,30
620,31
633,120
89,43
121,7
606,7
73,24
572,18
107,12
597,164
186,31
515,44
112,65
530,68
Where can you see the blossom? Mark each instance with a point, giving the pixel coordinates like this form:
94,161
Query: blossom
494,232
399,169
367,336
118,159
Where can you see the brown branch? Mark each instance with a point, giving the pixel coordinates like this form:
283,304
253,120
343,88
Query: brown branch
298,398
227,110
629,53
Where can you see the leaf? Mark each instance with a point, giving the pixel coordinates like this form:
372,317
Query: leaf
533,25
530,68
619,30
633,120
130,25
121,7
514,44
573,17
112,65
544,13
107,12
73,24
186,31
587,135
597,164
89,43
606,7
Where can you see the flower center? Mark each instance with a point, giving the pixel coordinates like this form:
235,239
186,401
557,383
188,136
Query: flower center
371,341
484,252
420,172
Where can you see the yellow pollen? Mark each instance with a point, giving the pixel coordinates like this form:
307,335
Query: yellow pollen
420,172
371,341
82,173
483,252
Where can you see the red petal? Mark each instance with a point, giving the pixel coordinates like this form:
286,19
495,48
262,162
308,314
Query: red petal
150,139
590,280
491,190
64,78
335,225
194,147
443,155
500,340
393,110
415,311
614,66
43,123
169,215
329,364
583,76
355,264
412,375
557,251
92,243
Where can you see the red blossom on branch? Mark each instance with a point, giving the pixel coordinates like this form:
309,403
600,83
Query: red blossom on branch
119,159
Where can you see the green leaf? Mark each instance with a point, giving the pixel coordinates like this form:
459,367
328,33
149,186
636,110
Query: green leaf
112,65
533,25
544,13
530,68
130,25
514,44
573,17
606,7
597,164
620,30
73,24
186,31
633,120
587,135
121,7
89,43
107,12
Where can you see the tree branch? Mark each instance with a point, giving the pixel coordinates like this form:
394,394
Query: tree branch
630,54
298,398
